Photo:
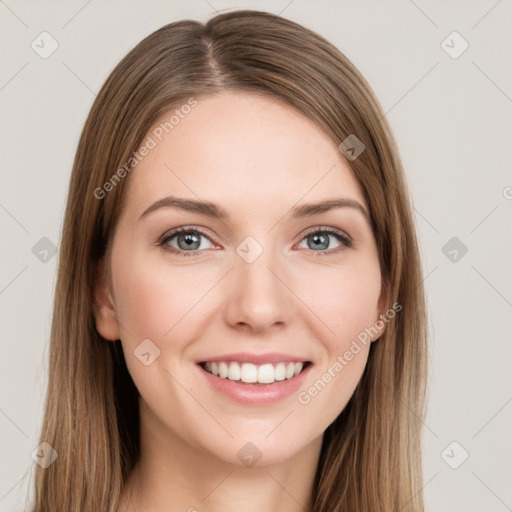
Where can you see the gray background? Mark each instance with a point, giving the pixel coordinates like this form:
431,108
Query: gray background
452,120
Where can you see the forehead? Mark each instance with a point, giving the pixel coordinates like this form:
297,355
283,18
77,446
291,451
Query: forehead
239,149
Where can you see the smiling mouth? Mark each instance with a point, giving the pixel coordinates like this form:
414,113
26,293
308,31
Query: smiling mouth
248,373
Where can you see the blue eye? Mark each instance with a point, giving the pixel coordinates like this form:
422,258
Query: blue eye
189,241
320,239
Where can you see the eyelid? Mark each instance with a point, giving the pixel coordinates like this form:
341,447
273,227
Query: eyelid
345,240
341,235
327,229
183,229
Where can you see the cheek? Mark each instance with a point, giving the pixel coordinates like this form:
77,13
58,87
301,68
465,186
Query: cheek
155,299
345,299
159,301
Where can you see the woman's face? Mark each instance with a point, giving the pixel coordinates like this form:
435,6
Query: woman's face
259,287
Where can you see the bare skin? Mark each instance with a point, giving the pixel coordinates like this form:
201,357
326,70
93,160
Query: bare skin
258,159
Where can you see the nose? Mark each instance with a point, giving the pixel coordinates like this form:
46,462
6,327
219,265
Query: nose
258,296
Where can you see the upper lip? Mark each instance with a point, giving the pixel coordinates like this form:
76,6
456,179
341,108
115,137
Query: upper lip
258,359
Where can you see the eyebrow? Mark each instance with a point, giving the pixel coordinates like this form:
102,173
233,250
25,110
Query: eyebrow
216,211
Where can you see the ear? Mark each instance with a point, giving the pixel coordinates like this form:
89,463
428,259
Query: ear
381,319
104,308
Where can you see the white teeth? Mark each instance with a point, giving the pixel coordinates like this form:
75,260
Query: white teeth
266,374
248,372
251,373
290,370
234,371
223,370
280,371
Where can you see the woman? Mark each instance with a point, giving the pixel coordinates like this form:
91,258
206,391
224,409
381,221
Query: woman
205,355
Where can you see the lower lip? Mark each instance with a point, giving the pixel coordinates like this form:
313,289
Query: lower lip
256,394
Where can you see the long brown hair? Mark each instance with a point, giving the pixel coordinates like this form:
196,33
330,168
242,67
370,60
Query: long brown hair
370,457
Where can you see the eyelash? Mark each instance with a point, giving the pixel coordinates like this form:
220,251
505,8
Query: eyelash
339,235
